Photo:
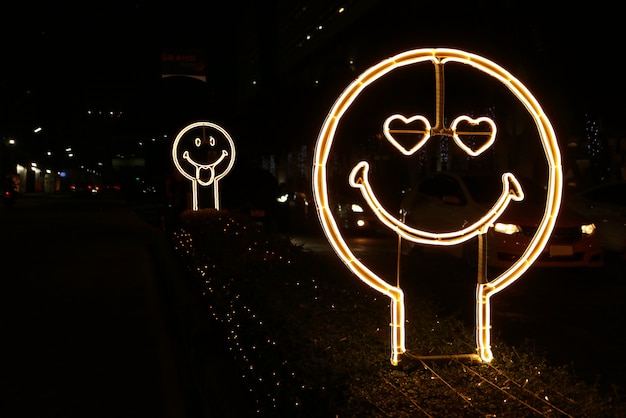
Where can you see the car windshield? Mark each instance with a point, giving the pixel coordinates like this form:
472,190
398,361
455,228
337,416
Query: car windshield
487,188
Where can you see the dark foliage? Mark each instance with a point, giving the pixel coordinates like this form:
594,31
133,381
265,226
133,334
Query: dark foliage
310,340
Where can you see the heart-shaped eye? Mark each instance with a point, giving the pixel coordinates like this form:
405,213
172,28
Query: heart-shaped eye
407,130
466,127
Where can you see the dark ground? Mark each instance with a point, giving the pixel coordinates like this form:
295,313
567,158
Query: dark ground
89,328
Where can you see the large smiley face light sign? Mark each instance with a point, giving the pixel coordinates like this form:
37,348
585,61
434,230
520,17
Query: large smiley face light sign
204,153
421,129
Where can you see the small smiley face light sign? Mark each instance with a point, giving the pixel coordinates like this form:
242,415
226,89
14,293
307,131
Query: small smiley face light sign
204,153
421,129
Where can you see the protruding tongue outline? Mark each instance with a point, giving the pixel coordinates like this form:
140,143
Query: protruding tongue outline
200,167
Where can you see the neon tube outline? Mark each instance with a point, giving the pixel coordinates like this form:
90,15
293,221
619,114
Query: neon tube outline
195,180
511,190
426,133
484,291
388,132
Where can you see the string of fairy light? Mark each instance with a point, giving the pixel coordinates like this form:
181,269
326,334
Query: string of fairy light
592,132
271,381
229,307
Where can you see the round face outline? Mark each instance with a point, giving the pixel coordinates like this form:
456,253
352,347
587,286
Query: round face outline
436,56
215,143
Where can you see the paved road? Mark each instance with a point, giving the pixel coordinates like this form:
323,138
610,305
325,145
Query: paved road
90,324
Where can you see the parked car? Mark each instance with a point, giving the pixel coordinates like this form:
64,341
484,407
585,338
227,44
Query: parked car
446,202
605,205
353,215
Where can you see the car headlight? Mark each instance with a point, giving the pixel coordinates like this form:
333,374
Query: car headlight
508,229
588,229
356,208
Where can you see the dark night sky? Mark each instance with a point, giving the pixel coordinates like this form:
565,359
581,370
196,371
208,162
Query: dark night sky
95,50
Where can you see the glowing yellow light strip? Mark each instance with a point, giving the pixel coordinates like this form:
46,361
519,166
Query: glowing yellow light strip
199,167
511,190
425,132
467,119
484,291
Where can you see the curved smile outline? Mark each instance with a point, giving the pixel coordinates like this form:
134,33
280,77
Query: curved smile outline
511,190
